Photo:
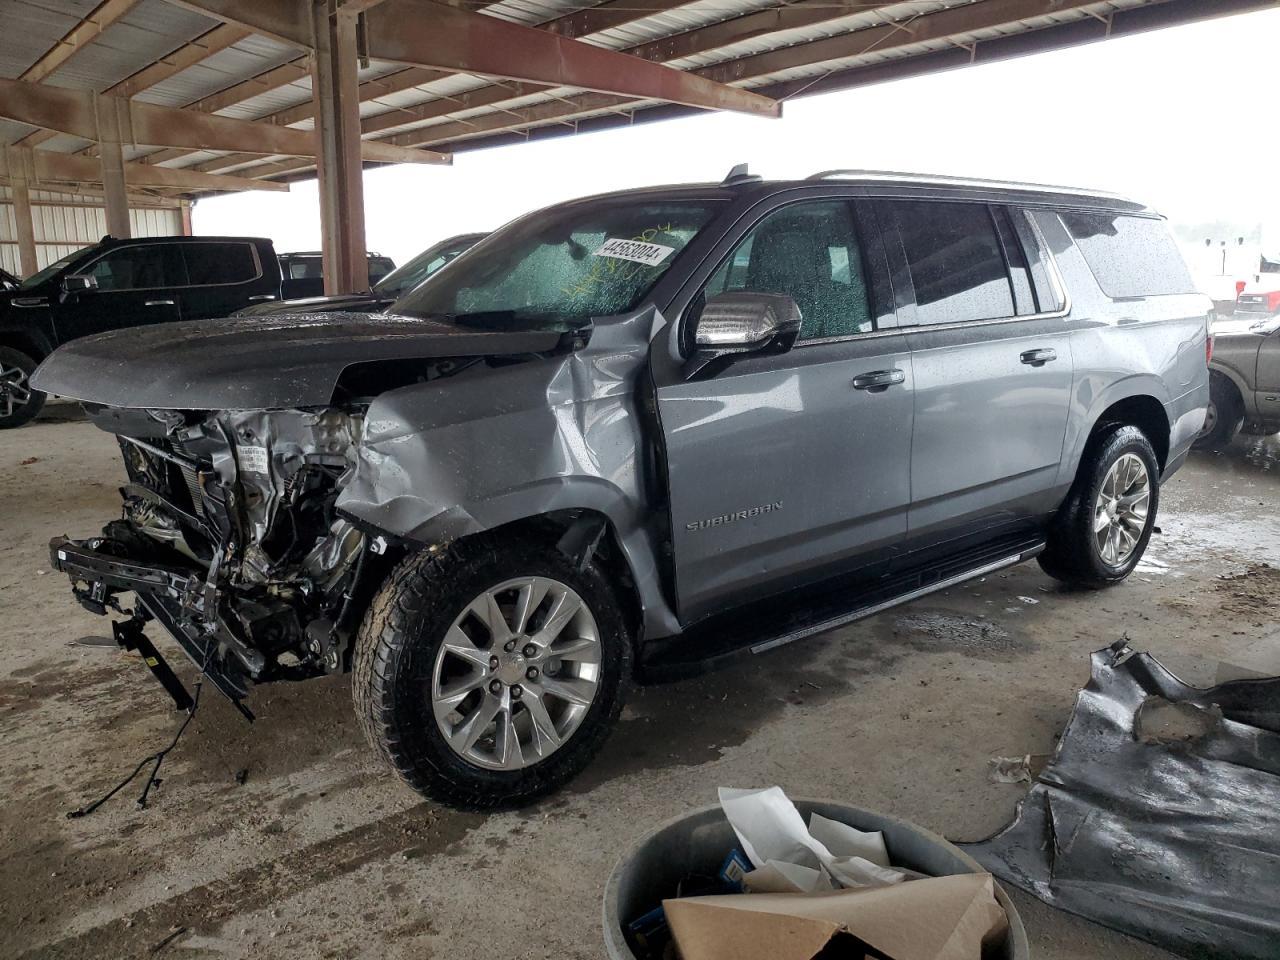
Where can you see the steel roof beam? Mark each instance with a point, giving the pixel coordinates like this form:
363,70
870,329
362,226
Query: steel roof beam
79,113
83,33
885,37
188,55
421,33
41,167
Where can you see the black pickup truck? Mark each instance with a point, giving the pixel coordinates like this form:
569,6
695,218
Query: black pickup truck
123,283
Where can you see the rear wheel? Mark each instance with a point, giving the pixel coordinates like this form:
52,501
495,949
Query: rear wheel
19,403
489,674
1224,416
1102,529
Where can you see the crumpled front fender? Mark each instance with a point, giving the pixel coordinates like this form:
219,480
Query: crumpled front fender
458,456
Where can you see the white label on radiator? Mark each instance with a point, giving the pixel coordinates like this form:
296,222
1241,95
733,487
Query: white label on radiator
252,459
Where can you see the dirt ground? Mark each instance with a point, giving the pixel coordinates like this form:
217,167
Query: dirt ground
320,853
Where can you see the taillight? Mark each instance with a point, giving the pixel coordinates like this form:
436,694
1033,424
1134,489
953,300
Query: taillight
1273,301
1240,285
1208,349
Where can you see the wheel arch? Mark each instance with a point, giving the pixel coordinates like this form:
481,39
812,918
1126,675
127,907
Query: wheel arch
1233,377
1144,412
26,341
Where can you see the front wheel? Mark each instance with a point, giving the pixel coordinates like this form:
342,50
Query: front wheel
1102,530
19,403
489,674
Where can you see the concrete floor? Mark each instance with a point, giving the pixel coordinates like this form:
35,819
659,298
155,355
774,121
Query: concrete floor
320,853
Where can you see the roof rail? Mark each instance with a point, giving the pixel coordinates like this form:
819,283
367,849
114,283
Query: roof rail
954,181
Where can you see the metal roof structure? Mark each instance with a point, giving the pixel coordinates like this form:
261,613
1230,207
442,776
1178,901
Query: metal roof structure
225,58
180,98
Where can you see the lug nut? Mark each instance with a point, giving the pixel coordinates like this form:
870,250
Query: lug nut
495,687
530,650
493,663
532,673
511,645
516,692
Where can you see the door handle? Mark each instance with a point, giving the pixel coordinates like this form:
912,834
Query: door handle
263,296
1038,358
159,303
878,380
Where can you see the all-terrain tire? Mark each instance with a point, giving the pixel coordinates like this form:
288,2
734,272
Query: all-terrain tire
1073,554
18,367
1224,417
395,654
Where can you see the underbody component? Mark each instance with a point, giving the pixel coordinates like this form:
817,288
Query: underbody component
1159,815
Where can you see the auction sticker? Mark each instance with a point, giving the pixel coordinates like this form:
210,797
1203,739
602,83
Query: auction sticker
637,251
252,459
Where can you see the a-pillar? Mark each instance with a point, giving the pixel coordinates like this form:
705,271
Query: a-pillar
335,83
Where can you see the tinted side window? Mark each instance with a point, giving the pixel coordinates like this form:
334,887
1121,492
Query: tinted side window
215,263
133,268
956,260
303,268
810,251
1129,256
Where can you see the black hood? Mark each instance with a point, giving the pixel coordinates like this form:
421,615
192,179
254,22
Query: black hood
243,363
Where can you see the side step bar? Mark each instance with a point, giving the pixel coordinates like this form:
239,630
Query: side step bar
786,618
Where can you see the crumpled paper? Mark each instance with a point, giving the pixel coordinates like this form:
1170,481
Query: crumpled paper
791,857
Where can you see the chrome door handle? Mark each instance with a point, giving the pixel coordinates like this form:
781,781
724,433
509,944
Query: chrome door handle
263,296
878,380
159,303
1038,358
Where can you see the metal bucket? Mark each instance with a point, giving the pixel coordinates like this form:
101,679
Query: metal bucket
698,842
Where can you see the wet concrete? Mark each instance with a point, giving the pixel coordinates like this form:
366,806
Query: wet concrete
320,853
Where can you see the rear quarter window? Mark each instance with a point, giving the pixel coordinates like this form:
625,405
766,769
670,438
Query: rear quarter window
211,264
1129,256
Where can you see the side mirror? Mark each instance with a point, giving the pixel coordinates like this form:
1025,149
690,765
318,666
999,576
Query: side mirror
73,286
745,323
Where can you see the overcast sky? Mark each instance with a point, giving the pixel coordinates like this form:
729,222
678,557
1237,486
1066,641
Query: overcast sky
1182,119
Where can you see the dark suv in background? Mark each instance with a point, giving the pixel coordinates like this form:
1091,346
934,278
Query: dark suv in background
633,434
383,293
303,273
123,283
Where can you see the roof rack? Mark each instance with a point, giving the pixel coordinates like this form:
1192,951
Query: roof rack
955,181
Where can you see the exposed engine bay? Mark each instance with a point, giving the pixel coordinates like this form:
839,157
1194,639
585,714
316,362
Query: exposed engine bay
231,515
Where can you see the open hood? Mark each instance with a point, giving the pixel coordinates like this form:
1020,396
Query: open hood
244,363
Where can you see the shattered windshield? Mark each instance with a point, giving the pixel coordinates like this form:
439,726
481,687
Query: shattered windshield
559,268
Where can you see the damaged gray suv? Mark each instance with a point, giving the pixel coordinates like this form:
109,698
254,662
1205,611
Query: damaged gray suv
633,435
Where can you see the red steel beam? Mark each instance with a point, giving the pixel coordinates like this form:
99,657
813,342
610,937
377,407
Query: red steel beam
425,34
77,112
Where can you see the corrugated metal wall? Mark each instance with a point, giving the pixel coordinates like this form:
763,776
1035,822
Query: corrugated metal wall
66,222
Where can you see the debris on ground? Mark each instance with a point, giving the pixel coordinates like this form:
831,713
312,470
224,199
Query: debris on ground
1159,814
28,461
1250,595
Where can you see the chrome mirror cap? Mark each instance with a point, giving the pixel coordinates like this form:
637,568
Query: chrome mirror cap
744,320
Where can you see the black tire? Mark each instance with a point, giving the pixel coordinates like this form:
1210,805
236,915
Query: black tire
15,372
1224,417
1073,554
395,655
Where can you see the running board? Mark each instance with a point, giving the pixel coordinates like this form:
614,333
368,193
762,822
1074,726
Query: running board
795,617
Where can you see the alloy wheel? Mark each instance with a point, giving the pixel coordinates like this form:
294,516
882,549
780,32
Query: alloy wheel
1120,512
516,674
14,391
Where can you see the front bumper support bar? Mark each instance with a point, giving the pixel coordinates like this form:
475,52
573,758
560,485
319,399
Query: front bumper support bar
174,598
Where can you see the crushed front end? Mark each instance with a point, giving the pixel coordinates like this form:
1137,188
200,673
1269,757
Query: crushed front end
229,539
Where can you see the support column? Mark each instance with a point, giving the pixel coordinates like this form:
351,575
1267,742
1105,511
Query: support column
111,156
26,226
335,90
